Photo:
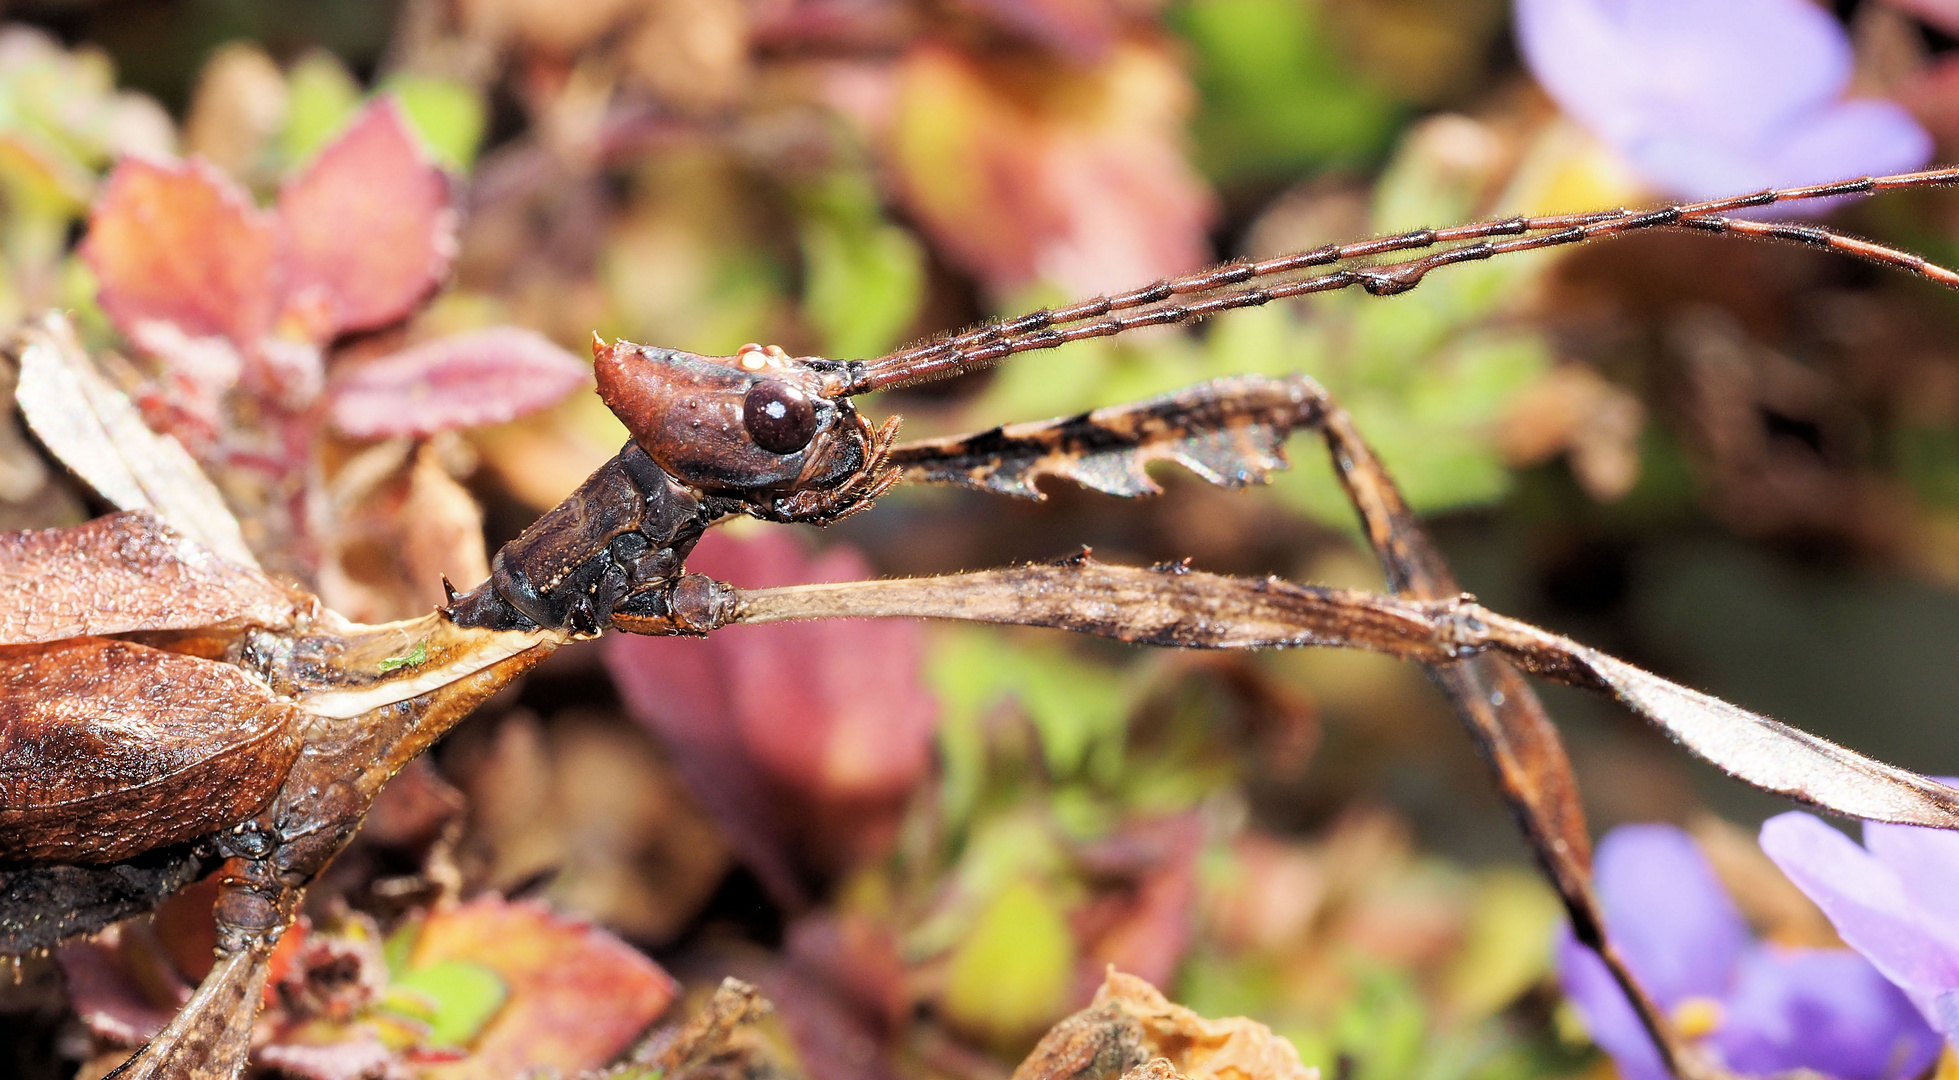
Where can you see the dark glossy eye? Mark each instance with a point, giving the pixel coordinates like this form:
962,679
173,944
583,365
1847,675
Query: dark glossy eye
779,418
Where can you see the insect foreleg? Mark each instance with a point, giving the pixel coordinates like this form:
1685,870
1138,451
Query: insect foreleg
627,525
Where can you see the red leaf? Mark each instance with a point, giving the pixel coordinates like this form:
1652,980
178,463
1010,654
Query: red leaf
1070,174
181,243
578,995
367,230
482,377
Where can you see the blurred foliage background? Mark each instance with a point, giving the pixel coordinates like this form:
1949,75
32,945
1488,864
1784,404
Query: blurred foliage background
1734,463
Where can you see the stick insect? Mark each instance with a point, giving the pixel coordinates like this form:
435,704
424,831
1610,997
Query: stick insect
319,712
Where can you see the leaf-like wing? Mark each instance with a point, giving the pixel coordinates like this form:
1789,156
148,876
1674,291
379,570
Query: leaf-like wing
121,573
1229,431
95,430
211,1037
41,906
109,748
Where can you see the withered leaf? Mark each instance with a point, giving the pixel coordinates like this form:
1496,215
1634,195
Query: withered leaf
1231,432
1130,1023
109,748
122,573
95,431
1233,1048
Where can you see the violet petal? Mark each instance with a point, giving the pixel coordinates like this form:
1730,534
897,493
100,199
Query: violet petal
1626,69
1927,863
1826,1010
1609,1016
1866,137
1867,903
1672,920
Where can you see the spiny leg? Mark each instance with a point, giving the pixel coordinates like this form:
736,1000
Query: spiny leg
210,1038
1181,608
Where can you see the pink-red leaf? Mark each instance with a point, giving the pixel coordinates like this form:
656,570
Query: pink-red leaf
482,377
1074,175
367,230
179,242
578,995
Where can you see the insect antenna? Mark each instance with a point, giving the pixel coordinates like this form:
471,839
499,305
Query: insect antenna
1250,284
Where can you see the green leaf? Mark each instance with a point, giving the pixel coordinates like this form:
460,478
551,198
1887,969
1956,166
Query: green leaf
865,278
459,998
1278,99
1079,711
321,97
1507,949
1383,1026
448,115
1013,974
400,945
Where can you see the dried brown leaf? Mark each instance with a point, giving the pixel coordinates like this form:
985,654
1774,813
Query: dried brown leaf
1130,1024
1234,1048
98,434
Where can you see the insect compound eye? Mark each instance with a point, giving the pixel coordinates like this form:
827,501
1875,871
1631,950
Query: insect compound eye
779,418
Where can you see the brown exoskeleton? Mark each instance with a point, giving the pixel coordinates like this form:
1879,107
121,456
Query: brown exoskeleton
317,712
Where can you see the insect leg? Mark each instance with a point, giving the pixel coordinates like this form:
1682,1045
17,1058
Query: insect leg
1174,606
1504,717
210,1038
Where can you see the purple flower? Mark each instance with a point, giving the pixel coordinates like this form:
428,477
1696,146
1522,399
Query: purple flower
1716,97
1761,1009
1896,900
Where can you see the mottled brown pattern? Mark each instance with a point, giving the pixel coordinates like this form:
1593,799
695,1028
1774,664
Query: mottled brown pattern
211,1036
125,572
1229,431
108,748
